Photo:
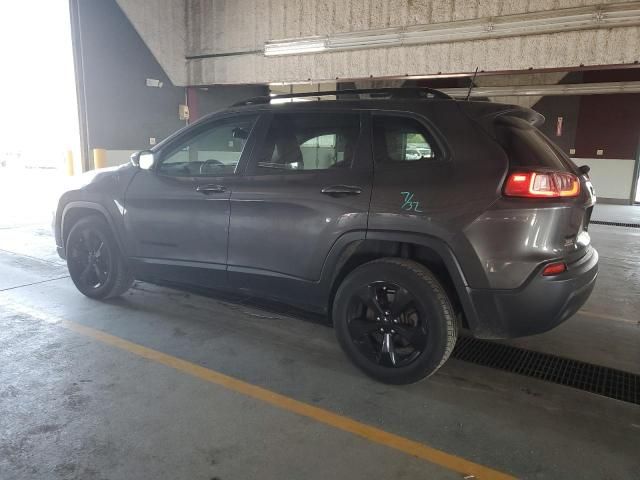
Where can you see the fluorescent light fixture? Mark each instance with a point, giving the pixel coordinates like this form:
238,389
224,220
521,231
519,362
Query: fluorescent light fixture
630,16
569,19
366,39
444,32
295,47
545,90
275,101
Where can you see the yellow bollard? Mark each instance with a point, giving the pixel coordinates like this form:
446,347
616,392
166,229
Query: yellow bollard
69,163
99,158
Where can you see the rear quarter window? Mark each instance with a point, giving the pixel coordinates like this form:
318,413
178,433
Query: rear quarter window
401,140
526,146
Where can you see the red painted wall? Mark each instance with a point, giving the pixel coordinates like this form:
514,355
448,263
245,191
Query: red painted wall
609,122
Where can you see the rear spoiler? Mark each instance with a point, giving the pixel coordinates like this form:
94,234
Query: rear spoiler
487,112
534,118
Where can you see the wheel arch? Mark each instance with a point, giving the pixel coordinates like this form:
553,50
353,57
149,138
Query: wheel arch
74,211
431,252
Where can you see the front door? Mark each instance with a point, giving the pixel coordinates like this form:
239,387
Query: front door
307,186
177,214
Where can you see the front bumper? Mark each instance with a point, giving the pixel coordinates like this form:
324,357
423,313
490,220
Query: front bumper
538,306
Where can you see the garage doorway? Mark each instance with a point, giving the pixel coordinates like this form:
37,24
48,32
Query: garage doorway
636,178
39,124
636,197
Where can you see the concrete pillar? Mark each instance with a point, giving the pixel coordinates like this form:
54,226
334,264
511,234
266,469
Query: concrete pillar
69,163
99,158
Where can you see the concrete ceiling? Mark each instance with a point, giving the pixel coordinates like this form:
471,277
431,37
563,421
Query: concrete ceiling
176,29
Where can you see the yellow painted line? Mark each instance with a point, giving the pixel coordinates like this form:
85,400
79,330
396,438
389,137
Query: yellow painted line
373,434
607,317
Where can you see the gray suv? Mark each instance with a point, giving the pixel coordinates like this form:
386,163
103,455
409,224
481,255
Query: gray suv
401,214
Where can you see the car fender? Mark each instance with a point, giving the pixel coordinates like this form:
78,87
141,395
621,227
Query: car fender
92,206
347,244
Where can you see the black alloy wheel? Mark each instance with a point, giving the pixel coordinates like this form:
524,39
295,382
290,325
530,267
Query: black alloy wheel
95,263
385,325
90,259
394,320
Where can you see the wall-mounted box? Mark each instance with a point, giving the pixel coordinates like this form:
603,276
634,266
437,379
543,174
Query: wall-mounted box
183,112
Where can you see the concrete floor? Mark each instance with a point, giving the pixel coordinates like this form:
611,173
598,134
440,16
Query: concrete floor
76,403
616,213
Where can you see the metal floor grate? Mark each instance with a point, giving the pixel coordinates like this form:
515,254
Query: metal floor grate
615,224
603,381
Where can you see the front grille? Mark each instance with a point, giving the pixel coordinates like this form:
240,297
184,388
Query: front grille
615,224
604,381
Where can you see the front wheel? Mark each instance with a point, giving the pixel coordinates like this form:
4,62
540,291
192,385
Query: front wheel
394,320
95,263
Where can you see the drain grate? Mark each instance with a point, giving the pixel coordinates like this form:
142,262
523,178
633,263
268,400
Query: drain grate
615,224
603,381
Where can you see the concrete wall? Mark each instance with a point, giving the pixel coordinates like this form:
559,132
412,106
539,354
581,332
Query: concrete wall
611,178
228,26
568,108
162,25
609,122
593,122
118,157
205,100
548,78
118,110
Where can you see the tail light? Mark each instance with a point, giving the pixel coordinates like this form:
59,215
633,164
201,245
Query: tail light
554,269
542,185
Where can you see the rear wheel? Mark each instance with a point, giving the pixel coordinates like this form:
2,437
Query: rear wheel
394,320
95,263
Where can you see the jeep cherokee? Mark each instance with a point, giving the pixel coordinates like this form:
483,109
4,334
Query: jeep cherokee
402,214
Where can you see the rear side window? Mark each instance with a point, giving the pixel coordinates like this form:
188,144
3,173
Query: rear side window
398,140
526,146
308,141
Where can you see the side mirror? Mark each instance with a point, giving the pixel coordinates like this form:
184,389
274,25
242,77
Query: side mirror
143,159
584,169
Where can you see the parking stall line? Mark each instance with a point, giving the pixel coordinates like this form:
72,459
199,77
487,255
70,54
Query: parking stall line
373,434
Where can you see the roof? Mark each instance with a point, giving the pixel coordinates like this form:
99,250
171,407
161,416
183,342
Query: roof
354,94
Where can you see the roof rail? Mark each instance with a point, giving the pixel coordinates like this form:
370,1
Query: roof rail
421,93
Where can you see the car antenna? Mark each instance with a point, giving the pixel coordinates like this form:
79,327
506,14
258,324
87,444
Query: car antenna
473,79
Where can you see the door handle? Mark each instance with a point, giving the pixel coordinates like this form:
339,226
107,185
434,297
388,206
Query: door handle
341,190
209,189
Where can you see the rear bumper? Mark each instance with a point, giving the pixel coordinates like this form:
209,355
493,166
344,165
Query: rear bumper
540,305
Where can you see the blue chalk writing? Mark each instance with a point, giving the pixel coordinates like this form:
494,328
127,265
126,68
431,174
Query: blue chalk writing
410,205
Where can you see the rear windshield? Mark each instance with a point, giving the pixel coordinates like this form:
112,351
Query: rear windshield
526,146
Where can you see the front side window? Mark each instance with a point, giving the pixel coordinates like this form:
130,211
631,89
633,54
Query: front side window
401,139
215,151
308,141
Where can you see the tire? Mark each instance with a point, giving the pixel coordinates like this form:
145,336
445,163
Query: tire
366,318
95,263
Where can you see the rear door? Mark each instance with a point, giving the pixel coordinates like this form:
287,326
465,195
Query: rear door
307,186
412,189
